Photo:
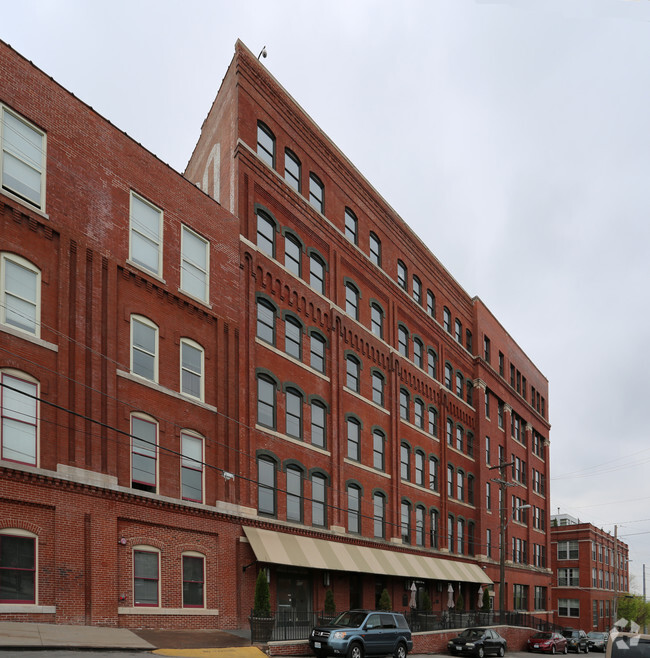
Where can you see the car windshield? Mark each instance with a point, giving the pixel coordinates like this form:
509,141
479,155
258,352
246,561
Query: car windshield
570,633
596,636
472,633
542,635
350,619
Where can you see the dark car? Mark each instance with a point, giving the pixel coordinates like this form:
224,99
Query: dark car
628,645
356,633
576,640
547,642
597,641
477,642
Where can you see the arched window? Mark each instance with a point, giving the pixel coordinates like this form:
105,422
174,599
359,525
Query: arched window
460,485
266,401
316,193
404,404
354,438
375,249
318,415
144,348
403,341
459,438
354,508
294,494
18,559
265,234
418,349
266,485
419,525
378,384
446,319
266,321
318,500
450,432
459,384
431,304
192,466
419,467
450,481
293,425
377,320
266,144
292,254
192,363
292,169
20,294
351,226
432,364
449,373
417,290
402,275
433,474
379,514
293,337
353,369
317,273
317,352
352,300
432,426
19,416
405,517
405,462
459,331
378,454
144,452
418,413
435,528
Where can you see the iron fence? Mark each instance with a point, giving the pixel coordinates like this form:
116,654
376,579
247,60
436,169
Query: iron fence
296,624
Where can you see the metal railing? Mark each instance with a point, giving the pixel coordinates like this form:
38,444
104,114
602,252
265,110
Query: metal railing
296,624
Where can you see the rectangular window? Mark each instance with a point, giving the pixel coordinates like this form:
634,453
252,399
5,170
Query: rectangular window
292,170
19,417
378,450
144,434
353,439
488,496
193,581
292,255
20,288
567,550
146,234
316,193
293,402
317,424
353,509
568,607
375,250
294,495
317,353
486,348
195,259
266,487
192,467
23,158
191,369
317,274
17,569
292,338
318,500
145,578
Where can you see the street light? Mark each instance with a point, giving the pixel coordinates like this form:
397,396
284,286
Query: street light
502,553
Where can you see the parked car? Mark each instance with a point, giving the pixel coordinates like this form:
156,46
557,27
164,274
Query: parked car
477,642
628,645
597,641
576,640
548,642
356,633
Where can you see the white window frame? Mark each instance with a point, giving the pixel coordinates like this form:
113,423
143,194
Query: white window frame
142,548
191,269
19,261
155,240
192,463
148,419
192,344
30,381
21,156
151,325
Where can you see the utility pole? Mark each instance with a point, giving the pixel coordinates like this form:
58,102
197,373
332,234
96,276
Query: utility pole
616,578
503,485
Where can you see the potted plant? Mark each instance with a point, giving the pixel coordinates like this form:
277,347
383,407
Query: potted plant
261,620
329,608
384,601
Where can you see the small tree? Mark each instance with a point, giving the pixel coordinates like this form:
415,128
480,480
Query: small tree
384,601
633,608
262,606
329,607
426,601
460,602
486,600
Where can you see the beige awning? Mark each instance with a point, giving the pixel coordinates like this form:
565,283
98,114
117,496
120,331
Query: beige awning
283,548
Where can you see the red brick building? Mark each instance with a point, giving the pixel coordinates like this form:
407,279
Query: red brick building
591,571
256,364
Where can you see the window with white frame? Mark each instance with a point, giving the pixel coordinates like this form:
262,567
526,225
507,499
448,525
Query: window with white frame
567,550
19,417
144,348
192,467
144,442
23,158
146,229
20,288
192,360
18,559
568,607
568,577
193,580
195,264
146,576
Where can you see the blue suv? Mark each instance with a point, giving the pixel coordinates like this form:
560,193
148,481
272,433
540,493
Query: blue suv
356,633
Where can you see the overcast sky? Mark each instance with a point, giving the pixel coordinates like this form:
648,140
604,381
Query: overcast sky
511,135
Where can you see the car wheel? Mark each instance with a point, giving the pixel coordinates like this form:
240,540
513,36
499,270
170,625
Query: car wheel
355,650
502,650
401,651
480,653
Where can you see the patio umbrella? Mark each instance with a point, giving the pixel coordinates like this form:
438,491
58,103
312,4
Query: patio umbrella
412,603
480,597
450,596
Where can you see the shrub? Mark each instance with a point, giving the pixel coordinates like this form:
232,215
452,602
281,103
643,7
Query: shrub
262,606
384,601
329,608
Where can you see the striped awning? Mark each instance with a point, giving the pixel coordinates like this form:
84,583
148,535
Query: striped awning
274,547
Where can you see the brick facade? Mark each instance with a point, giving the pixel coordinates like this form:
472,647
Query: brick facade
93,497
588,582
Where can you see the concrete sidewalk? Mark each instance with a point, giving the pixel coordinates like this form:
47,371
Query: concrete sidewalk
23,635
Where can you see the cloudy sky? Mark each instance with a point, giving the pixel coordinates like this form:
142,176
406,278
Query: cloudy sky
512,135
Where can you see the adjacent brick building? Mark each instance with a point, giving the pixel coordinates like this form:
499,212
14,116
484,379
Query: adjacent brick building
255,364
591,568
